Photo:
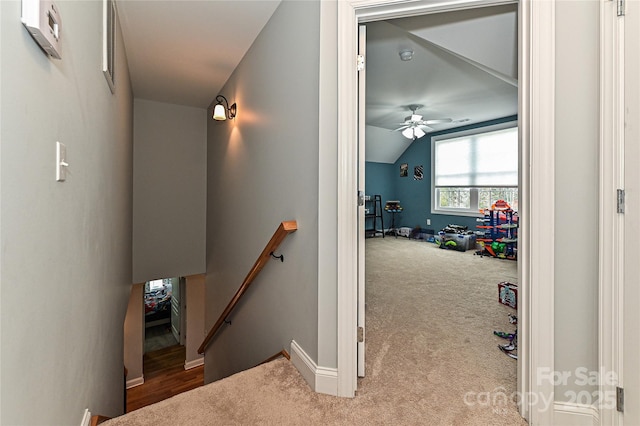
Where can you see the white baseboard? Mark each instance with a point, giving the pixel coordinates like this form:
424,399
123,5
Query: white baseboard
193,364
137,381
320,379
86,418
571,414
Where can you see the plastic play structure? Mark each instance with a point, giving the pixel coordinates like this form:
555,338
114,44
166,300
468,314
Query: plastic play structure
498,232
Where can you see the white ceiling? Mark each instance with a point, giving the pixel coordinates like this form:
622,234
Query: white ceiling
464,65
183,51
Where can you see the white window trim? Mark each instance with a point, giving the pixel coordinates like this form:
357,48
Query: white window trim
471,212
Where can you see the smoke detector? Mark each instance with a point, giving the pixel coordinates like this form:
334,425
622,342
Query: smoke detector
406,54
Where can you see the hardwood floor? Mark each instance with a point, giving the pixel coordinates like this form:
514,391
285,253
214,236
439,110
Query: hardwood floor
164,377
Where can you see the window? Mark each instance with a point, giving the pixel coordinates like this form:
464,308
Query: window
473,169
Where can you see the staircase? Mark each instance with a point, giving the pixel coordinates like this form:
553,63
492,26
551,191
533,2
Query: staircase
248,397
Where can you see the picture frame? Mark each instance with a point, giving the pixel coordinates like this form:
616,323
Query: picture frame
418,172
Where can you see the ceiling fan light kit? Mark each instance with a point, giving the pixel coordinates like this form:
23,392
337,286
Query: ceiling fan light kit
414,126
413,133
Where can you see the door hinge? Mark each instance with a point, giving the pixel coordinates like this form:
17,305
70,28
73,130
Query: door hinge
360,198
620,4
360,62
620,201
360,334
620,399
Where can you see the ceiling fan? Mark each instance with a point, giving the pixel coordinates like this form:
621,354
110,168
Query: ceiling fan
415,127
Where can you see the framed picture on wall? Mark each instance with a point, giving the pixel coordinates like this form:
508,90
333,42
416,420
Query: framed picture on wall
418,172
404,170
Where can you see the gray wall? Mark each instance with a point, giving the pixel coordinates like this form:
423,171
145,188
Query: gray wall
576,198
169,190
66,247
263,169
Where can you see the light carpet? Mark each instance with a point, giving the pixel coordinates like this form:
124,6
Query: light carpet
432,358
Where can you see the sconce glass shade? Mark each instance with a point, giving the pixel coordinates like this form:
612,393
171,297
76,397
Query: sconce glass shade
219,113
222,110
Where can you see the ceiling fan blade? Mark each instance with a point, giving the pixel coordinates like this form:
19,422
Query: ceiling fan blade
426,128
401,128
413,117
438,121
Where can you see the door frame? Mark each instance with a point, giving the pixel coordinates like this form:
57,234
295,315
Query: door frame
537,187
611,224
613,235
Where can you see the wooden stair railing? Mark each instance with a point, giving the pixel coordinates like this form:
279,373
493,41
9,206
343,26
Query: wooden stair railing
282,353
97,419
283,230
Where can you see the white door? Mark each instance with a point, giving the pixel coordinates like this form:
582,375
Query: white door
631,365
362,43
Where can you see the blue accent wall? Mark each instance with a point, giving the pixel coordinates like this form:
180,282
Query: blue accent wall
379,181
415,195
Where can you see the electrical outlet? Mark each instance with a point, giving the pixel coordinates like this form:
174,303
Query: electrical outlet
428,222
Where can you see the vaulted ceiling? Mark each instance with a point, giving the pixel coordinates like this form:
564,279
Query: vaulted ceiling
464,67
464,64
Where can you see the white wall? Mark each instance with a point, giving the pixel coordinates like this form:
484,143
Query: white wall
576,212
327,189
169,190
263,169
66,246
134,336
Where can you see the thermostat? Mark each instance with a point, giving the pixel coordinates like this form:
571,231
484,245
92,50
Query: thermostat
42,19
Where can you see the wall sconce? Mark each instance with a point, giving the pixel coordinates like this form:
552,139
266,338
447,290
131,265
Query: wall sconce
222,112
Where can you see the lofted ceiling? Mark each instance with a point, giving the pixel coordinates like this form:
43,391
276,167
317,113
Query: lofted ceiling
464,65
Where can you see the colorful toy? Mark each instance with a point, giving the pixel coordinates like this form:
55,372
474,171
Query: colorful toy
510,347
497,233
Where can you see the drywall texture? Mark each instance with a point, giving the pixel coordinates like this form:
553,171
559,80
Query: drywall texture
263,169
576,198
66,246
169,190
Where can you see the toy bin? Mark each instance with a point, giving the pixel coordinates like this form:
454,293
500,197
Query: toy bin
463,242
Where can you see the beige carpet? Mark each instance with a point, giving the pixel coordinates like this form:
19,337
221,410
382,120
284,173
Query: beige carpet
431,356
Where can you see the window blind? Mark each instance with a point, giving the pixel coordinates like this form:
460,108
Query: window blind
480,160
